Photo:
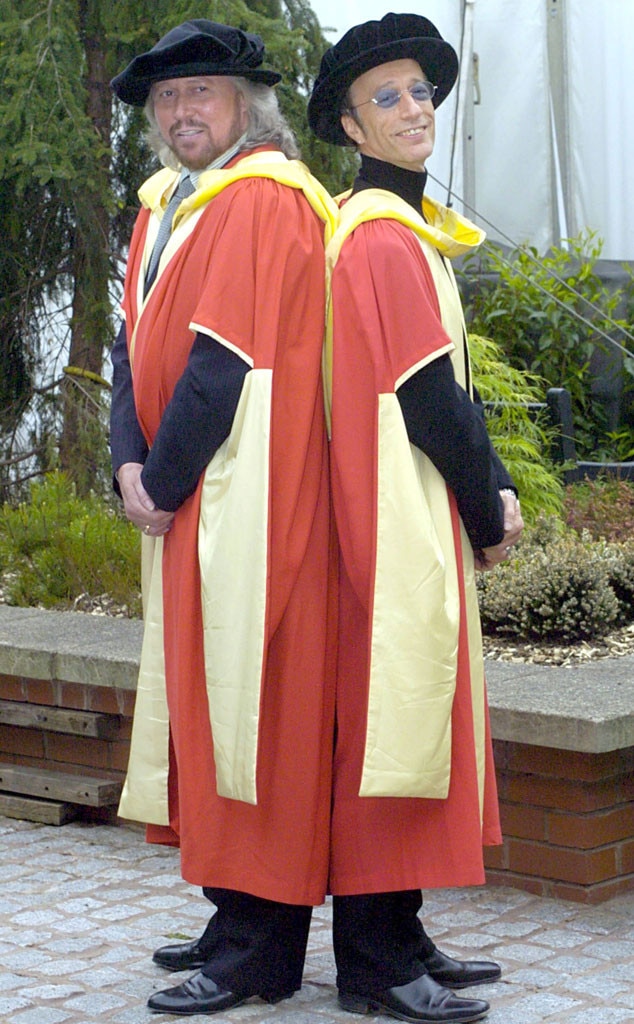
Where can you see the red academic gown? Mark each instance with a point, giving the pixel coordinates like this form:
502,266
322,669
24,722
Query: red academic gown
251,275
387,323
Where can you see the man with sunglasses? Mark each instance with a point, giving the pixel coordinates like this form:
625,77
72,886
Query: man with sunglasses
420,501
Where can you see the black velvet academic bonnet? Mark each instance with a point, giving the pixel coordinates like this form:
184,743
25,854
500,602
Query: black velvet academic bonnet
363,47
197,47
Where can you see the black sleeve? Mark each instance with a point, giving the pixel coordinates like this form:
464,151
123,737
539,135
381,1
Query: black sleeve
505,481
444,423
127,442
195,423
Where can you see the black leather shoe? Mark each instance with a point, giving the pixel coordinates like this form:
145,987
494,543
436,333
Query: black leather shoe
186,956
199,994
422,1001
460,973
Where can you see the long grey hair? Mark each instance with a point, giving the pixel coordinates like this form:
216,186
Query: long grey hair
266,124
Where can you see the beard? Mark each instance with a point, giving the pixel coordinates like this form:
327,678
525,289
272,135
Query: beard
201,150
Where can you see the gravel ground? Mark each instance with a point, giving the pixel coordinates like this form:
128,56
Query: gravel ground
614,645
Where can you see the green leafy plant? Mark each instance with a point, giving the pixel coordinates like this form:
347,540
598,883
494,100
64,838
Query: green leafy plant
550,315
58,547
521,437
71,162
619,446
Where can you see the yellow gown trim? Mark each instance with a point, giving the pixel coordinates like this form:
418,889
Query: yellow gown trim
230,518
416,601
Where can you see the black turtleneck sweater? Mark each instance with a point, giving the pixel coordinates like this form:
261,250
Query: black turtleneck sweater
439,415
409,185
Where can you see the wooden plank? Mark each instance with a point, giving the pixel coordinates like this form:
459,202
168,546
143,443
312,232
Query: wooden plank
95,724
46,812
75,789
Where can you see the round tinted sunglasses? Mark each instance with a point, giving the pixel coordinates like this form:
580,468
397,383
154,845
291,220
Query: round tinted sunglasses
387,98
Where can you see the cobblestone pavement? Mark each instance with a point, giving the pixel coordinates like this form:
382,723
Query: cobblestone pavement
83,906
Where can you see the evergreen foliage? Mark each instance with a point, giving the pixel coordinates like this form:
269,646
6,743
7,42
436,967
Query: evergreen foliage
71,160
56,547
521,438
557,586
567,580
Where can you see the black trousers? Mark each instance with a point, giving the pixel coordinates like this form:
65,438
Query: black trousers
259,946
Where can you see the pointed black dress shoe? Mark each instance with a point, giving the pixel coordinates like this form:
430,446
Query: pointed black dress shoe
186,956
199,994
422,1001
460,973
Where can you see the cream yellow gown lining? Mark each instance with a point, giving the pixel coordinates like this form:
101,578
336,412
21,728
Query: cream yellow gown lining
416,611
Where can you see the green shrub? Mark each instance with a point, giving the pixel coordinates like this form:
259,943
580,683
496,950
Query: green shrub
56,548
521,438
620,567
555,587
560,584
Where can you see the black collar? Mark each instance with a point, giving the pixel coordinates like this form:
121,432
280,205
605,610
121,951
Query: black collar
409,185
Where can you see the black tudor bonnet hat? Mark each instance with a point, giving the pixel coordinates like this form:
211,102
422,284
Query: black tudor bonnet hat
366,46
197,47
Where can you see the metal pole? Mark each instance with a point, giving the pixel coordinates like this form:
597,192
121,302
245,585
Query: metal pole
468,96
563,209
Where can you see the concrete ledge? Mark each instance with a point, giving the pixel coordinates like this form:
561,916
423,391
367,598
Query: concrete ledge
73,647
587,708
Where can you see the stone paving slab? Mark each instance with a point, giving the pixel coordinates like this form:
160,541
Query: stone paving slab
83,906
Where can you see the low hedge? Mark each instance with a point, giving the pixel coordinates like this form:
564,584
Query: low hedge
559,585
566,581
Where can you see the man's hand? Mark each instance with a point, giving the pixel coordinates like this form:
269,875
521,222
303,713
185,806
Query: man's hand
513,526
138,505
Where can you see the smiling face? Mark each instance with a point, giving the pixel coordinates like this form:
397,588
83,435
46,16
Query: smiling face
199,118
403,135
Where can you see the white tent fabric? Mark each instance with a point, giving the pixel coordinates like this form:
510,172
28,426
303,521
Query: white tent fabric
601,101
513,147
548,151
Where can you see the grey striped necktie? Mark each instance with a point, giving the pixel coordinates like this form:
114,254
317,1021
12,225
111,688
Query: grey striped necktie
185,188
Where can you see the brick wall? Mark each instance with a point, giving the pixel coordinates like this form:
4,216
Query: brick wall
567,817
567,820
37,747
